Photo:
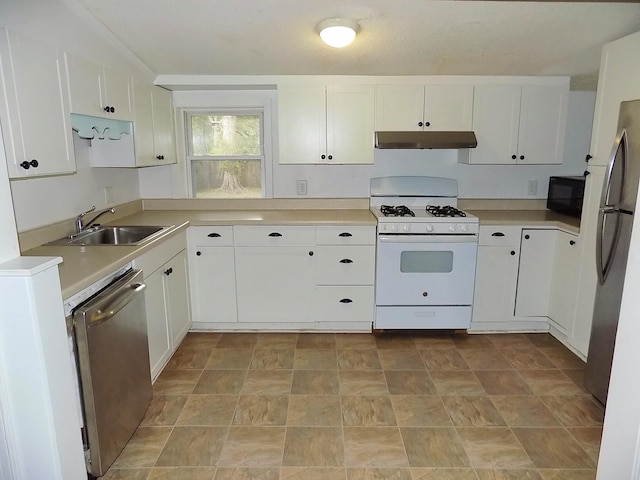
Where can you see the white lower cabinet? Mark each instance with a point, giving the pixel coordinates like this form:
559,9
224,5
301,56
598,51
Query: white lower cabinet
564,284
535,272
212,271
496,276
519,271
282,277
166,297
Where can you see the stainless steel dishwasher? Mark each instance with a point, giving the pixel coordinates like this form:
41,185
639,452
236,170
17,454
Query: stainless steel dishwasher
112,357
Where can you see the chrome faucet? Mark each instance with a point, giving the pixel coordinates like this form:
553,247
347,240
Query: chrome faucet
81,226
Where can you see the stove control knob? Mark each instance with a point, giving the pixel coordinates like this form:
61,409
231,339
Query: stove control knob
463,228
406,227
429,227
452,228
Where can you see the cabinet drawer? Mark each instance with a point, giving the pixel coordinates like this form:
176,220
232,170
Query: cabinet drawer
499,235
211,236
274,235
344,304
346,265
346,235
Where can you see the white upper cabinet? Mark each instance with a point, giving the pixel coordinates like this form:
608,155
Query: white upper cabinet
98,91
35,108
424,107
326,124
153,126
519,124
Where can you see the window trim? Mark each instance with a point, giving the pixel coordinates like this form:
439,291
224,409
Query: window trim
187,113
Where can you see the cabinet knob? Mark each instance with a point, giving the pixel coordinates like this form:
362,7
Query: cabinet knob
311,254
586,172
34,163
109,109
425,294
527,237
330,157
420,124
497,234
427,124
198,253
323,156
168,271
521,157
346,300
572,242
26,165
214,235
160,157
345,234
513,157
346,260
587,158
512,252
275,234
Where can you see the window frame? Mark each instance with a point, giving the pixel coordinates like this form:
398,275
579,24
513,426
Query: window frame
189,112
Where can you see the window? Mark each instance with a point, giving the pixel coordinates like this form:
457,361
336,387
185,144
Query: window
225,153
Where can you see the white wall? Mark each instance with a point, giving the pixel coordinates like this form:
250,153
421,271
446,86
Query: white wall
45,200
331,181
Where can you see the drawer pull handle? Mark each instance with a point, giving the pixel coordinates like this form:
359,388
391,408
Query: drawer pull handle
497,234
275,234
346,300
345,234
346,260
214,235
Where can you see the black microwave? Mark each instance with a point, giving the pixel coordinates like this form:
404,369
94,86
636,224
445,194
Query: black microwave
566,195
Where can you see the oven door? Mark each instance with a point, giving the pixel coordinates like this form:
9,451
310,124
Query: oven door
425,269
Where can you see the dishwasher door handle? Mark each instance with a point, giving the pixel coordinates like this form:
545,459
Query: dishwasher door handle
116,303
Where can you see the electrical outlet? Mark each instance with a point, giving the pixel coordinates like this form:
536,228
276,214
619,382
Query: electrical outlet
301,187
532,187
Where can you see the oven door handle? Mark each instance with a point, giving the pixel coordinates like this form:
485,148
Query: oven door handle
439,238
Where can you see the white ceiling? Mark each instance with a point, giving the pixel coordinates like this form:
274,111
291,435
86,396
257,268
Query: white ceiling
397,37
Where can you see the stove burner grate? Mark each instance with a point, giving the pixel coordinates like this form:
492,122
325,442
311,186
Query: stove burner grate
399,211
444,211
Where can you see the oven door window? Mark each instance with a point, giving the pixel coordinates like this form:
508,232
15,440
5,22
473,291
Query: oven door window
426,262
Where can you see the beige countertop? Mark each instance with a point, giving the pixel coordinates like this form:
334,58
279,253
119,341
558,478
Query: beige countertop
528,218
83,266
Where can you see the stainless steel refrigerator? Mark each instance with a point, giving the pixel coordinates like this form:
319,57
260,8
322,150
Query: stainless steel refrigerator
615,219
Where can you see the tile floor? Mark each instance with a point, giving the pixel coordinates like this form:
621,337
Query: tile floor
362,406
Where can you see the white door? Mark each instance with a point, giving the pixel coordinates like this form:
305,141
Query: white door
157,322
178,298
399,107
535,271
448,107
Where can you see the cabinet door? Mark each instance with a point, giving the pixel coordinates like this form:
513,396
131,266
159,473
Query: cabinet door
399,107
117,94
143,125
564,285
350,123
157,322
213,284
302,123
163,132
543,118
36,128
496,113
177,292
536,269
448,107
496,278
85,83
275,284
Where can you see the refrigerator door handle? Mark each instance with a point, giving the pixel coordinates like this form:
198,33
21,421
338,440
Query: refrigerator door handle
603,267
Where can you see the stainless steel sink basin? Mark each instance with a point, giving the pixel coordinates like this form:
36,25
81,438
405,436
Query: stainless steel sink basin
113,235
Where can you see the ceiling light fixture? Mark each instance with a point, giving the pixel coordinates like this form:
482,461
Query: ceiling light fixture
337,32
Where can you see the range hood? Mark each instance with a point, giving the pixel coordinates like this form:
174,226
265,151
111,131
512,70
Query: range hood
417,140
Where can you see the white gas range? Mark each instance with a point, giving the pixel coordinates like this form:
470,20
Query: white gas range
426,254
